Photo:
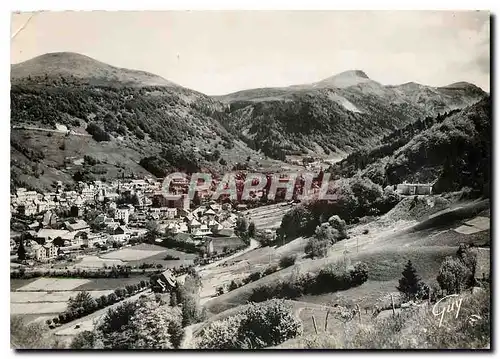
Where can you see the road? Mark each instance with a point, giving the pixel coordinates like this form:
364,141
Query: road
253,245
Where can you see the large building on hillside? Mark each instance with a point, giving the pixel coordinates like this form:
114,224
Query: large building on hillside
411,189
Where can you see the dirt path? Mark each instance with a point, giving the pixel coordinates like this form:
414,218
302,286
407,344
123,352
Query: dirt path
187,340
29,128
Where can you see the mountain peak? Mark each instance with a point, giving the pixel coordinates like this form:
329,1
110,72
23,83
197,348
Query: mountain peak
345,79
73,65
352,73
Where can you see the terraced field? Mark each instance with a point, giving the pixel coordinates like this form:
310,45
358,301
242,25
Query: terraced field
267,217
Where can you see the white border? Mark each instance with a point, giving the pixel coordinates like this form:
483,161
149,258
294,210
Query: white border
24,5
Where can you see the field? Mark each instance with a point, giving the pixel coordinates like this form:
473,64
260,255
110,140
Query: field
241,266
142,253
231,243
53,284
131,254
267,217
50,295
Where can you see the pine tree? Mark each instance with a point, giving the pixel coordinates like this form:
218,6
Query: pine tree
251,230
21,251
410,283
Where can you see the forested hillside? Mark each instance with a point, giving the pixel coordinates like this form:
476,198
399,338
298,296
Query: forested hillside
453,149
336,116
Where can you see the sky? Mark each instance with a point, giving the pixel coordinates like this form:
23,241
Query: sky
218,52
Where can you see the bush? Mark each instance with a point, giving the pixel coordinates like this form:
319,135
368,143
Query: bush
253,277
271,269
316,248
268,324
360,273
220,290
86,340
169,257
287,261
454,276
331,279
259,326
234,285
98,133
221,334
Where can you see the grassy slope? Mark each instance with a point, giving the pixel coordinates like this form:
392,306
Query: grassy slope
385,252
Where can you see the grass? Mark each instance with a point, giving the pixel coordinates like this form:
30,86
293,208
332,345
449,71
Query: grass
414,328
231,243
386,252
111,283
15,284
366,295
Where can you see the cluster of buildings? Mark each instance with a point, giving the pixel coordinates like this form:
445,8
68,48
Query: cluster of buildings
101,214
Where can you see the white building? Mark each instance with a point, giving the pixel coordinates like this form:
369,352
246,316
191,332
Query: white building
122,214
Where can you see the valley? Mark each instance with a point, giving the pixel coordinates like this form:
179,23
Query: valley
102,255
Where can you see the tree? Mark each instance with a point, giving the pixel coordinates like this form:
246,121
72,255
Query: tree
241,226
87,340
325,232
251,230
316,248
176,333
149,326
339,224
82,300
287,260
114,326
454,276
153,230
409,284
58,241
21,251
468,257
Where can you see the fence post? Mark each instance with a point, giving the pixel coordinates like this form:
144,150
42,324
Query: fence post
359,312
314,323
326,319
393,308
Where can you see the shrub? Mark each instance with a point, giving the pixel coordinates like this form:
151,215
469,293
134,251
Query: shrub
98,134
271,269
169,257
269,323
287,261
316,248
86,340
221,334
454,276
254,276
331,279
359,274
234,285
220,290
